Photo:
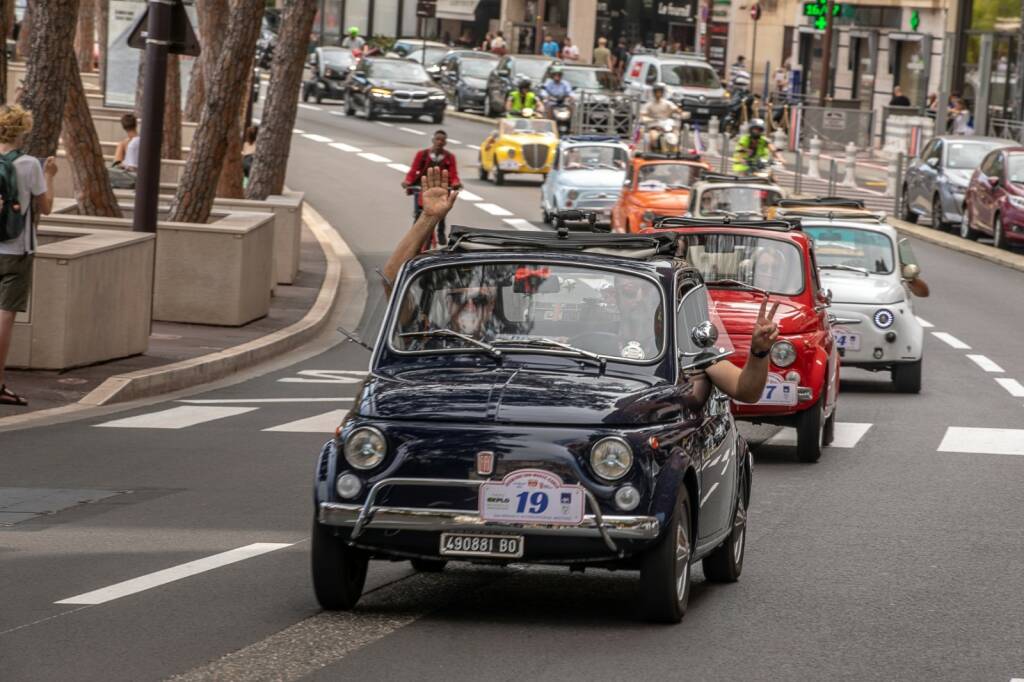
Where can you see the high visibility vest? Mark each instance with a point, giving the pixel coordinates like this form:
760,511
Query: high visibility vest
517,101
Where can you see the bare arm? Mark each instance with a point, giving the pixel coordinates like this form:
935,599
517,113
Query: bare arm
746,385
44,202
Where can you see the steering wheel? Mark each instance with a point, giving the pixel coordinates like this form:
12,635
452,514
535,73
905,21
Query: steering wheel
605,343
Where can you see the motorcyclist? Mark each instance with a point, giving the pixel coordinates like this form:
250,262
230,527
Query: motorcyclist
522,98
753,147
657,109
556,90
353,40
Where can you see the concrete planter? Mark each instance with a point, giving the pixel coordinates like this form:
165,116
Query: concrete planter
91,298
108,126
64,183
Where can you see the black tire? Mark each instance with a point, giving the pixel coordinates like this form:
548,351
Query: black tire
725,563
319,96
487,106
428,565
368,111
906,377
545,216
998,234
829,432
437,118
459,106
905,211
810,432
665,568
339,571
499,175
481,172
305,93
937,222
966,231
350,109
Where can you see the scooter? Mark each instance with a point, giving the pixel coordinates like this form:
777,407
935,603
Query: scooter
667,140
742,101
561,113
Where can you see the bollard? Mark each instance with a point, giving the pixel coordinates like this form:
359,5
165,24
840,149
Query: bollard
780,139
850,177
831,178
814,159
725,154
891,171
712,136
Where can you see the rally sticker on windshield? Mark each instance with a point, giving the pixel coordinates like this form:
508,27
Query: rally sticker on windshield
531,496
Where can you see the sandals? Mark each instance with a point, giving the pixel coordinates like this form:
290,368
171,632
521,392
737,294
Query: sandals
9,397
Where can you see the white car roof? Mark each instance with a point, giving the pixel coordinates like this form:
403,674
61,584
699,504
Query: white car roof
866,225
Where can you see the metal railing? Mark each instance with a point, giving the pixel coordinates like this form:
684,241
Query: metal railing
603,115
1006,128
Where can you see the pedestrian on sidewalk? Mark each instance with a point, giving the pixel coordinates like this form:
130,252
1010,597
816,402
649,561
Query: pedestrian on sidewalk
130,125
498,44
19,213
486,45
435,156
621,55
249,149
898,98
739,76
570,52
602,55
550,47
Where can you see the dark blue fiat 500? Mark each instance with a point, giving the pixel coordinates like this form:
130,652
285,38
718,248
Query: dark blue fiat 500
539,398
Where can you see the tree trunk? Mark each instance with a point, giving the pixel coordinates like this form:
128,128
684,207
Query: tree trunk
224,91
171,147
48,72
102,20
95,196
85,37
274,142
205,10
25,32
194,99
6,7
140,78
232,176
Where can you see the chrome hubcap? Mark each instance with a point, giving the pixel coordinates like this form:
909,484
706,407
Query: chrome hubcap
739,529
682,561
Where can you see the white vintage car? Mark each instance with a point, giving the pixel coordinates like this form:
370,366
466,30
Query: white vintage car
727,196
872,276
587,175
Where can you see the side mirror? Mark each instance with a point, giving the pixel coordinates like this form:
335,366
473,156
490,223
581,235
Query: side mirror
933,162
503,73
704,334
911,271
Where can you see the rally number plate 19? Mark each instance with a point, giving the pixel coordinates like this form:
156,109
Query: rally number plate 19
476,544
531,496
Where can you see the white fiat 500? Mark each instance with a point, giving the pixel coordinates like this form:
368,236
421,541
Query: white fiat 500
872,275
587,175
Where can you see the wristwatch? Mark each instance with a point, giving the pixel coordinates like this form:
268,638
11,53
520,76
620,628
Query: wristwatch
760,354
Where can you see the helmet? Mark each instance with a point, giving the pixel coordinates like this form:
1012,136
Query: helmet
756,123
524,83
353,30
658,86
556,69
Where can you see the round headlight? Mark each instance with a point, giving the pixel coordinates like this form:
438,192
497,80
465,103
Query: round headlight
611,458
365,448
783,354
884,318
348,485
572,194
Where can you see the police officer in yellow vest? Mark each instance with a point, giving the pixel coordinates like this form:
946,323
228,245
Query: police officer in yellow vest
523,98
754,146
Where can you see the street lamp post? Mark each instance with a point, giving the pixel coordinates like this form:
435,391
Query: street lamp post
826,53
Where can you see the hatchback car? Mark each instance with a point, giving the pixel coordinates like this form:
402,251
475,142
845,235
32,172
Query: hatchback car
519,145
587,175
568,420
463,74
724,196
656,186
506,76
994,202
745,262
396,87
329,68
936,181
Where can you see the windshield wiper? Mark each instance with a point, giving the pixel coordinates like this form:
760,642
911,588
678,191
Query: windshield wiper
448,333
551,343
843,266
735,283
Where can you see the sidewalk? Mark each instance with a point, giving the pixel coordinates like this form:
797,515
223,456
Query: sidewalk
172,342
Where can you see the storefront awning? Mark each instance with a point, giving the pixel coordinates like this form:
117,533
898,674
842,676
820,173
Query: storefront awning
460,10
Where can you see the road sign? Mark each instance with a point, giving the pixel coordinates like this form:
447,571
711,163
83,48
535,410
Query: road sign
755,11
426,8
834,119
183,38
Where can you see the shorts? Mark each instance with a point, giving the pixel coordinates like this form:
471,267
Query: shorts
15,281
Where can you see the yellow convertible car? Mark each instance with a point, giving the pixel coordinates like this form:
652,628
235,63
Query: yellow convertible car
519,145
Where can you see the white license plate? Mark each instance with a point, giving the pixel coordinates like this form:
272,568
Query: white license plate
412,105
476,544
508,164
848,340
703,110
778,393
531,496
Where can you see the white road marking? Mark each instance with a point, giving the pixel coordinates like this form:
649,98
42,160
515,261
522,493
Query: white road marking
322,423
376,158
521,224
310,107
400,167
985,363
169,575
253,401
493,209
453,141
316,138
469,196
325,376
342,147
1012,386
951,340
983,441
847,435
386,125
176,417
473,146
412,130
924,323
339,113
298,131
709,494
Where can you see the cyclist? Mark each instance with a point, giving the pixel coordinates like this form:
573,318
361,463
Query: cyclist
753,147
522,98
657,109
435,156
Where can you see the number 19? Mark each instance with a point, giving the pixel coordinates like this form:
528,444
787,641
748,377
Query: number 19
538,502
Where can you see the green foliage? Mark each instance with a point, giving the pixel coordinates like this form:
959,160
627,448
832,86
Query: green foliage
986,14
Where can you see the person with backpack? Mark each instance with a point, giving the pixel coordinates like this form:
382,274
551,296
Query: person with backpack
26,192
436,156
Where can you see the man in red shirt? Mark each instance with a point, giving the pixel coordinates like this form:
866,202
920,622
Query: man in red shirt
434,157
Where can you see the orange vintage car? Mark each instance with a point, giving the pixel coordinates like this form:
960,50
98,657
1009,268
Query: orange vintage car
656,185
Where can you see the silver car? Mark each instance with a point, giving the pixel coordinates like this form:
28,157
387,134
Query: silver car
587,175
936,180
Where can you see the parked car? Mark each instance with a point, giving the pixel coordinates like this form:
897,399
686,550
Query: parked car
519,145
572,423
504,79
732,196
744,262
994,202
872,277
656,186
587,175
330,67
936,181
403,47
385,85
691,82
430,59
463,74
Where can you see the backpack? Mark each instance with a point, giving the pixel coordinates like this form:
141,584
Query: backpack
12,219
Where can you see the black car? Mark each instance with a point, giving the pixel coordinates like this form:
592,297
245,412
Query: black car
393,86
463,76
329,69
569,421
510,70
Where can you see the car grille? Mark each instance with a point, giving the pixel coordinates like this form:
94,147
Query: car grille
535,155
407,96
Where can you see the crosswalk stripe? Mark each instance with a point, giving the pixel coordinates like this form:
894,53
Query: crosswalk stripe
322,423
466,195
924,323
252,401
316,138
309,107
983,441
400,167
376,158
493,209
951,340
412,130
176,417
847,435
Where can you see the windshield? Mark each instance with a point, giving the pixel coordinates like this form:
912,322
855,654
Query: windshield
656,177
589,79
612,158
531,68
337,57
1015,168
967,155
737,200
690,76
478,68
773,265
434,55
613,314
398,71
849,247
514,126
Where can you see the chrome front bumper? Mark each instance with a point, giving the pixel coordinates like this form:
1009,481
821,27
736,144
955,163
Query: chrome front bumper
368,515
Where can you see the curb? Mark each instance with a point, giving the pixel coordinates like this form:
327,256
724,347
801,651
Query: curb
465,115
1007,259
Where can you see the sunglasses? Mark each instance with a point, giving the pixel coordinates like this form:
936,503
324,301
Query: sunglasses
460,298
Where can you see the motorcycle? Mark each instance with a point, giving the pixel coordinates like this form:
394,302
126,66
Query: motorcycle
667,140
561,113
763,168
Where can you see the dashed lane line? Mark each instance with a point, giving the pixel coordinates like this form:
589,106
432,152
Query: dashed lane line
454,141
376,158
316,138
298,131
951,340
412,131
983,441
324,423
985,363
400,167
342,114
474,146
493,209
342,147
176,417
385,124
521,224
1012,386
310,107
169,575
469,196
924,323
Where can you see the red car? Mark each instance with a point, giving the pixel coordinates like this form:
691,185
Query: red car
743,262
994,201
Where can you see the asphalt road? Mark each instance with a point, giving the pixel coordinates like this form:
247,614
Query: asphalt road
889,559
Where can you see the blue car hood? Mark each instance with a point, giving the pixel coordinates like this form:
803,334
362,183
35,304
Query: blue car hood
591,179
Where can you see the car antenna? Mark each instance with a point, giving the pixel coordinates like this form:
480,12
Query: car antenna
355,339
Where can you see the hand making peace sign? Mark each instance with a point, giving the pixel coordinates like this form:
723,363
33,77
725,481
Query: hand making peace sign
765,329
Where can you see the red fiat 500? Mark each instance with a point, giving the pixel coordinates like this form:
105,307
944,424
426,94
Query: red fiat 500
742,262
